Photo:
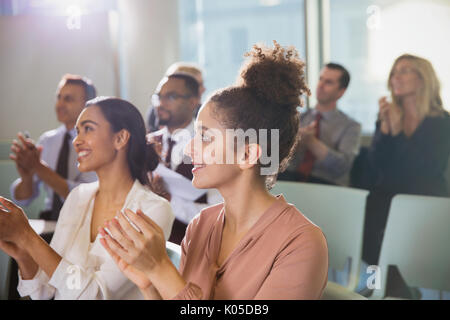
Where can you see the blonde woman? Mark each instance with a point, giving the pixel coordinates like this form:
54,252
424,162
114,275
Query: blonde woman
411,145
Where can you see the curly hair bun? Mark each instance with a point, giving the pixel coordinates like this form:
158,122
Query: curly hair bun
266,96
275,75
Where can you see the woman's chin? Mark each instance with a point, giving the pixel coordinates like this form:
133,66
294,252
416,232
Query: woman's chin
83,167
199,184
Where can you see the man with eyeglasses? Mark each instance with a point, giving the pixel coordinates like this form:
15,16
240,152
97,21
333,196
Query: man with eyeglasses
175,101
177,68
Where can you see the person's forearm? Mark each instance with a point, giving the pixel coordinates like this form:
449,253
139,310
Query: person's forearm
24,190
27,266
39,250
166,279
151,293
53,180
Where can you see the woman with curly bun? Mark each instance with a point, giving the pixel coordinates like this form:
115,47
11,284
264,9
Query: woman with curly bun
253,245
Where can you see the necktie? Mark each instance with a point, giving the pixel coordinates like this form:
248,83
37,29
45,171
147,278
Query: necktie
62,168
169,152
307,164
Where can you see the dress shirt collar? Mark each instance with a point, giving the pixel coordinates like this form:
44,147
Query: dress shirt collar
329,115
62,130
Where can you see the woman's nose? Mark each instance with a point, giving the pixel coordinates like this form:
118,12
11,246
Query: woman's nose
76,141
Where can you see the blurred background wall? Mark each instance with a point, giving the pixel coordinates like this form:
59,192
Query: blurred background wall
123,46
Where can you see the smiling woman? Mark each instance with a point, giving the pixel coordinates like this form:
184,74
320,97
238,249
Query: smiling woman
106,117
111,142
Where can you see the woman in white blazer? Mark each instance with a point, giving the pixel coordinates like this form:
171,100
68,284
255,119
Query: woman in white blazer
110,141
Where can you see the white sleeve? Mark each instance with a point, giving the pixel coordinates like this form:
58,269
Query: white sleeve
37,288
186,210
34,195
75,282
71,281
159,211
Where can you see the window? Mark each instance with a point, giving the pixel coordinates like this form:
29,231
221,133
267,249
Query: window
366,36
216,34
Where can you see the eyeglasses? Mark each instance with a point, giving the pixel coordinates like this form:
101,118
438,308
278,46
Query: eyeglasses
402,71
169,98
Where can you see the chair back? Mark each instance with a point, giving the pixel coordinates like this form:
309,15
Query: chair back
339,212
416,240
334,291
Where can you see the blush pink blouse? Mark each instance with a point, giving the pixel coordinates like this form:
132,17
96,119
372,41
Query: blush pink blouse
283,256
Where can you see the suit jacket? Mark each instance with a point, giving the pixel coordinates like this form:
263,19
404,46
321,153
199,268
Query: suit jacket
341,135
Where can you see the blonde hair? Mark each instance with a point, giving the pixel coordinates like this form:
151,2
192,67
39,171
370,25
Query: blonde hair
429,102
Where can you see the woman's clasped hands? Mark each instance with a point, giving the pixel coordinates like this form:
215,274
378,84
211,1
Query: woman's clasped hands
138,252
390,117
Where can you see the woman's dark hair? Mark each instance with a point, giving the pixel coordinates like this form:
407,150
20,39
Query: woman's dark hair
266,96
121,114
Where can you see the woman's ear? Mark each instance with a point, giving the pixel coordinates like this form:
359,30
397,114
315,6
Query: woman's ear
121,139
251,156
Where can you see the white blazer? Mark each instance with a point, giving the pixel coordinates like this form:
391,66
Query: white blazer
86,270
